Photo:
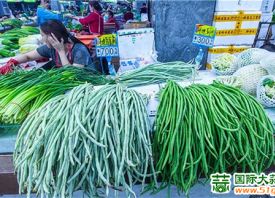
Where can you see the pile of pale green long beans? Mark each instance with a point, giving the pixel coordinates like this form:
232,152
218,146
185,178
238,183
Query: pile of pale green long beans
158,73
204,129
85,140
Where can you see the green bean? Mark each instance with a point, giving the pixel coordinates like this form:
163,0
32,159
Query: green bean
85,140
204,129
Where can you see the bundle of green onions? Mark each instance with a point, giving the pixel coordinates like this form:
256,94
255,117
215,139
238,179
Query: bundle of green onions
158,73
22,92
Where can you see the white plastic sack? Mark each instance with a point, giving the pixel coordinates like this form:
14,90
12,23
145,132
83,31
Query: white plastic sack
269,63
144,17
224,64
261,93
232,81
249,77
250,56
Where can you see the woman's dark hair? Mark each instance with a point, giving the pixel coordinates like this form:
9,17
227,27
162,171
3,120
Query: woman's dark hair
96,5
59,30
111,13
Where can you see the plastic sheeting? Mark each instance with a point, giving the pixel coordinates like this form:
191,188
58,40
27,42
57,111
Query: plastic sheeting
174,22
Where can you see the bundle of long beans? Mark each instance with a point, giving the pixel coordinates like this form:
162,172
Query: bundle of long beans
85,140
22,92
204,129
158,73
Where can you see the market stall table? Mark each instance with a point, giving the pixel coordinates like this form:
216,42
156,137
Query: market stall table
88,40
7,140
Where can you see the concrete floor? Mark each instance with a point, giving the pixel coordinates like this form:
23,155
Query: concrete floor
198,191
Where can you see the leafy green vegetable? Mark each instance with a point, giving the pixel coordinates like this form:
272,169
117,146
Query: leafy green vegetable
22,92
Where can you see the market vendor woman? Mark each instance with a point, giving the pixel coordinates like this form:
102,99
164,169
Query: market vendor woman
94,20
60,46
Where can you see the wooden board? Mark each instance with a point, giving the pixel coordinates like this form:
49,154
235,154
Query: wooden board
8,181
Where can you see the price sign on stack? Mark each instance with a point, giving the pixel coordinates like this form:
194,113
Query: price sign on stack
107,46
204,35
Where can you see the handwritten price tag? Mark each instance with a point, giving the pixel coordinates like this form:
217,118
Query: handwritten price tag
205,30
204,35
201,40
107,40
107,51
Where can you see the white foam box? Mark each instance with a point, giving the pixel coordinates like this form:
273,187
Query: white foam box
134,43
217,51
237,5
267,6
236,28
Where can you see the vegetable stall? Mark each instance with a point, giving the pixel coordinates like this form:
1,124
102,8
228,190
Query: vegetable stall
16,37
155,126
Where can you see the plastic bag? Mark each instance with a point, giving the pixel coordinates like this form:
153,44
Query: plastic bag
249,77
250,56
262,97
224,64
269,63
27,48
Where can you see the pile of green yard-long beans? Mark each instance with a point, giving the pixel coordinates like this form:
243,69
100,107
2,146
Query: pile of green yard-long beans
87,139
22,92
158,73
204,129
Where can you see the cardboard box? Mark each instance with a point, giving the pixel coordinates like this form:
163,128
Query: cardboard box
237,5
217,51
236,28
8,180
135,25
267,6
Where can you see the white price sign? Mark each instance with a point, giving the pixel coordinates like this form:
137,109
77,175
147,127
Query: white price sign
107,51
202,40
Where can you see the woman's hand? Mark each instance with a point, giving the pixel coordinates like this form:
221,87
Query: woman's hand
59,46
56,44
72,17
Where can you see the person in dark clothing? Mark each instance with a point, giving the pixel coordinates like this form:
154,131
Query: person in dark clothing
44,13
128,15
111,19
144,13
59,46
143,9
94,20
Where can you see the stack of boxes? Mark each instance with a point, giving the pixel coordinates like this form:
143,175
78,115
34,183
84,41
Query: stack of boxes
4,8
267,14
237,23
